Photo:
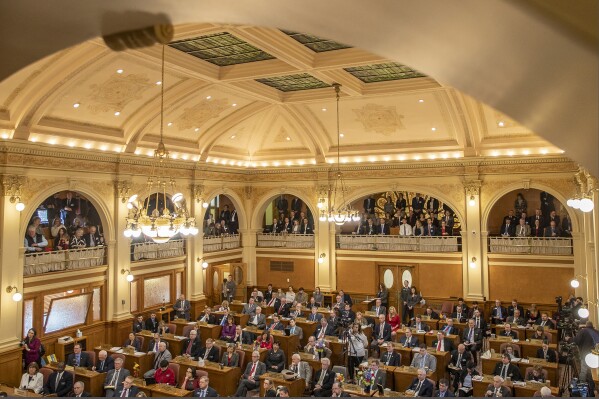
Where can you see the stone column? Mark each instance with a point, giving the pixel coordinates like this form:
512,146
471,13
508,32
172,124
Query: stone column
474,282
249,243
119,258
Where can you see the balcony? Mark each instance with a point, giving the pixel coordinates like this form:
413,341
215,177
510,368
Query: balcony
221,243
58,261
530,245
296,241
152,250
398,243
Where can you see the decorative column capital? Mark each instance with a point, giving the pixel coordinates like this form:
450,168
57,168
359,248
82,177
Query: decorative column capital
122,190
472,187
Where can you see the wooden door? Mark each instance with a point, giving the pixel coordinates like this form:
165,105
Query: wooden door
392,276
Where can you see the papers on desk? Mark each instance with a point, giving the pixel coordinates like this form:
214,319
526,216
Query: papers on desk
416,349
519,383
179,337
421,331
116,349
477,378
486,355
139,353
516,359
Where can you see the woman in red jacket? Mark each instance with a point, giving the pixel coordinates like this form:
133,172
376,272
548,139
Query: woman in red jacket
31,347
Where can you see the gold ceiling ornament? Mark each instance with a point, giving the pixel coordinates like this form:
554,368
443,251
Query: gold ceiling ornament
338,210
159,224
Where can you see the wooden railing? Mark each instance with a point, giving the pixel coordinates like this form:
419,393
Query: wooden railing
221,243
283,240
398,243
56,261
531,245
151,250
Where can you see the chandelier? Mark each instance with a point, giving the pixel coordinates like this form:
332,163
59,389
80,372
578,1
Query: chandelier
338,211
160,225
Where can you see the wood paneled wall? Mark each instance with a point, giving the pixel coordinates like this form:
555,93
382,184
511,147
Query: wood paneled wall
440,280
357,276
302,275
11,367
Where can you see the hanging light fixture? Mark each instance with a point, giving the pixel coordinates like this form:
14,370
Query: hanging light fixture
159,224
339,211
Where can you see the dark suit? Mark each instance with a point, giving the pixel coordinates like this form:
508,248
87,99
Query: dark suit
152,325
133,391
417,205
138,326
182,309
117,383
278,326
505,391
552,232
296,205
413,341
283,310
84,360
276,360
512,371
446,394
210,319
84,394
282,204
104,367
477,339
548,323
384,229
453,330
210,392
447,345
369,204
386,332
511,334
551,356
212,354
327,383
421,327
315,317
430,230
347,299
93,240
495,313
245,384
391,359
425,389
328,330
64,386
195,349
508,230
135,344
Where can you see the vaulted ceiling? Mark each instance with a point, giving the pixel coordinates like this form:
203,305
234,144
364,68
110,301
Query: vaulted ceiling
251,96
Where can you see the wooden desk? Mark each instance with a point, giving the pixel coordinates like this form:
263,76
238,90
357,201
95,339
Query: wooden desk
355,390
336,347
308,327
164,390
180,324
175,342
240,319
62,350
94,381
308,358
287,343
295,387
145,360
403,376
428,337
166,312
459,326
530,332
529,349
236,306
389,381
210,331
480,387
224,380
488,366
525,333
363,306
247,349
432,323
406,353
11,392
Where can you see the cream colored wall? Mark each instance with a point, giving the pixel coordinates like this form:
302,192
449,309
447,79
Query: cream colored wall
250,190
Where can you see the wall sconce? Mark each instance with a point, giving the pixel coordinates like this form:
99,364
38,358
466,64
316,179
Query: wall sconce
321,258
472,201
204,263
17,296
129,275
12,189
583,312
321,202
473,263
575,283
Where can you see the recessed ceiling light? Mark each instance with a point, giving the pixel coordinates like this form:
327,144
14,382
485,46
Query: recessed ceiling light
137,151
562,151
208,97
402,158
117,113
233,137
544,151
371,159
421,100
76,105
158,83
495,153
119,71
104,148
174,156
344,160
341,135
4,135
33,139
510,153
70,144
432,156
288,138
197,129
456,155
234,104
500,124
329,161
358,160
525,152
417,157
276,163
169,124
434,129
444,156
314,162
301,162
324,110
288,163
386,159
87,146
184,157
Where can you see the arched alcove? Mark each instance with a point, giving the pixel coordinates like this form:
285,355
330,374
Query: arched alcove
291,214
222,215
268,199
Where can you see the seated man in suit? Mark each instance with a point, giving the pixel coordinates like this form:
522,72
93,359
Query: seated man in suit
258,320
459,359
283,308
419,325
390,357
301,369
378,376
381,334
378,308
544,321
424,360
275,324
324,379
311,347
431,313
191,346
209,352
513,307
314,315
323,329
104,362
442,344
507,332
338,391
546,353
138,324
154,344
115,377
408,340
251,377
552,230
499,313
207,316
516,319
59,382
514,353
497,389
162,354
459,315
127,390
79,390
443,391
297,311
508,228
295,330
205,390
78,358
472,338
523,229
449,328
420,386
249,308
505,369
152,323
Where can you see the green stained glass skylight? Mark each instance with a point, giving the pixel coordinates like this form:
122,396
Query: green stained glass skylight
315,43
384,72
303,81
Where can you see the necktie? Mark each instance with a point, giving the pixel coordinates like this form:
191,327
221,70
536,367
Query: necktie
295,368
157,361
223,321
442,394
408,341
102,365
381,329
422,362
206,353
115,378
470,335
253,369
439,345
503,371
459,362
388,359
322,332
188,351
417,388
477,322
377,310
496,391
499,312
203,393
125,393
446,330
78,360
321,379
543,323
292,330
545,355
58,377
156,347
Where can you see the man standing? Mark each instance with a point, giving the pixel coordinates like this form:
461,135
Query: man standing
182,308
405,294
230,288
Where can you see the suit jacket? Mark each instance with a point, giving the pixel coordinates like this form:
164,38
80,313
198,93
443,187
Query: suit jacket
391,359
477,337
118,384
382,310
195,347
423,326
512,371
328,330
507,230
466,357
384,229
261,321
426,389
279,326
495,313
152,325
413,341
447,394
276,359
64,386
519,321
369,204
303,370
522,231
84,360
306,229
234,362
314,316
136,344
510,310
381,378
133,391
550,232
210,319
108,365
511,334
152,344
505,391
482,323
297,331
138,326
210,392
212,354
447,344
247,309
424,361
453,330
268,295
386,332
550,357
328,380
347,299
182,308
98,240
84,394
548,323
260,369
283,310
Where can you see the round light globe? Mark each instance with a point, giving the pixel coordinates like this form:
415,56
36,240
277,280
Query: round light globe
20,206
574,283
583,312
592,360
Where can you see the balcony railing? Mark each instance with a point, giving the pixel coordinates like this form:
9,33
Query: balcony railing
220,243
57,261
268,240
530,245
398,243
152,250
